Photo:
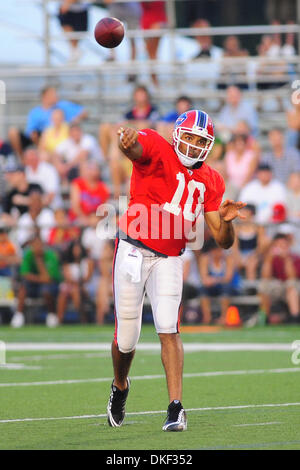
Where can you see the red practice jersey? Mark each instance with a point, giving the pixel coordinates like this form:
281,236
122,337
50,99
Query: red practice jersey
166,197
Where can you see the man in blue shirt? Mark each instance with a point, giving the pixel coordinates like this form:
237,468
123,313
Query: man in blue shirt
236,109
39,118
282,159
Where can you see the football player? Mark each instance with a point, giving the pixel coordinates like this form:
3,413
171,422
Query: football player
170,186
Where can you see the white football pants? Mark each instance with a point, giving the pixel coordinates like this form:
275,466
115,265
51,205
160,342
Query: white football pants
136,271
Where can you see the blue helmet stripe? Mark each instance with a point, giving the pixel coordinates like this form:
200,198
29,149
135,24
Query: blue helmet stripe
201,119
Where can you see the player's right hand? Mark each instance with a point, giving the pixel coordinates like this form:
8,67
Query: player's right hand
128,137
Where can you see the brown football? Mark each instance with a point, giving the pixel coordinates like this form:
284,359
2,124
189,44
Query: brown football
109,32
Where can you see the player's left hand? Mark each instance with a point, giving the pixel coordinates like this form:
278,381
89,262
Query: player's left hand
229,210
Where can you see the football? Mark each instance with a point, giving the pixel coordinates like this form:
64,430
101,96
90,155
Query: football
109,32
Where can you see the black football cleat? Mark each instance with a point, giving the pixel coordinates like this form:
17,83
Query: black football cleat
116,405
176,417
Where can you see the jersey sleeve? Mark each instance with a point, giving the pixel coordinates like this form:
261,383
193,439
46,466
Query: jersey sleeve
214,193
149,140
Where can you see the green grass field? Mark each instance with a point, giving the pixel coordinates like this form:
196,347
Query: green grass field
241,399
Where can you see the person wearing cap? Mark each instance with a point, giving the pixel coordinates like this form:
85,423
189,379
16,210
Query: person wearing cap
264,192
16,200
279,213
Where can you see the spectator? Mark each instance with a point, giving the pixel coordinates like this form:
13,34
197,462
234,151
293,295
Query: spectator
104,291
77,271
280,270
182,105
281,159
8,254
250,243
41,275
63,232
276,69
78,148
207,71
142,115
264,192
98,240
39,118
272,45
218,151
87,193
217,273
191,285
293,197
52,136
288,49
230,72
206,46
235,110
5,148
3,182
95,236
36,219
73,17
293,122
130,14
231,192
153,17
165,126
240,161
232,47
44,174
16,200
242,127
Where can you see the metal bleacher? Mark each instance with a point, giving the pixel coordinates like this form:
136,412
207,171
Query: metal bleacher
104,90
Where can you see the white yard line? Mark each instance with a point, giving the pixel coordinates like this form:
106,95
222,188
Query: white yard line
151,377
12,366
139,413
47,357
188,347
256,424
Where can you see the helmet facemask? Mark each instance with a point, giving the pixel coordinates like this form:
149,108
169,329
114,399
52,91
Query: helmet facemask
203,151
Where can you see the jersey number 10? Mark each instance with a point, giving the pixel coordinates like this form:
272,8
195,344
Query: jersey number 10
174,206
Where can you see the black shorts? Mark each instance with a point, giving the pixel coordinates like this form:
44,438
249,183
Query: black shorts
25,141
78,20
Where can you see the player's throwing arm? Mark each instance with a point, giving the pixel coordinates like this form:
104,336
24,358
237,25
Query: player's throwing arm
129,144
